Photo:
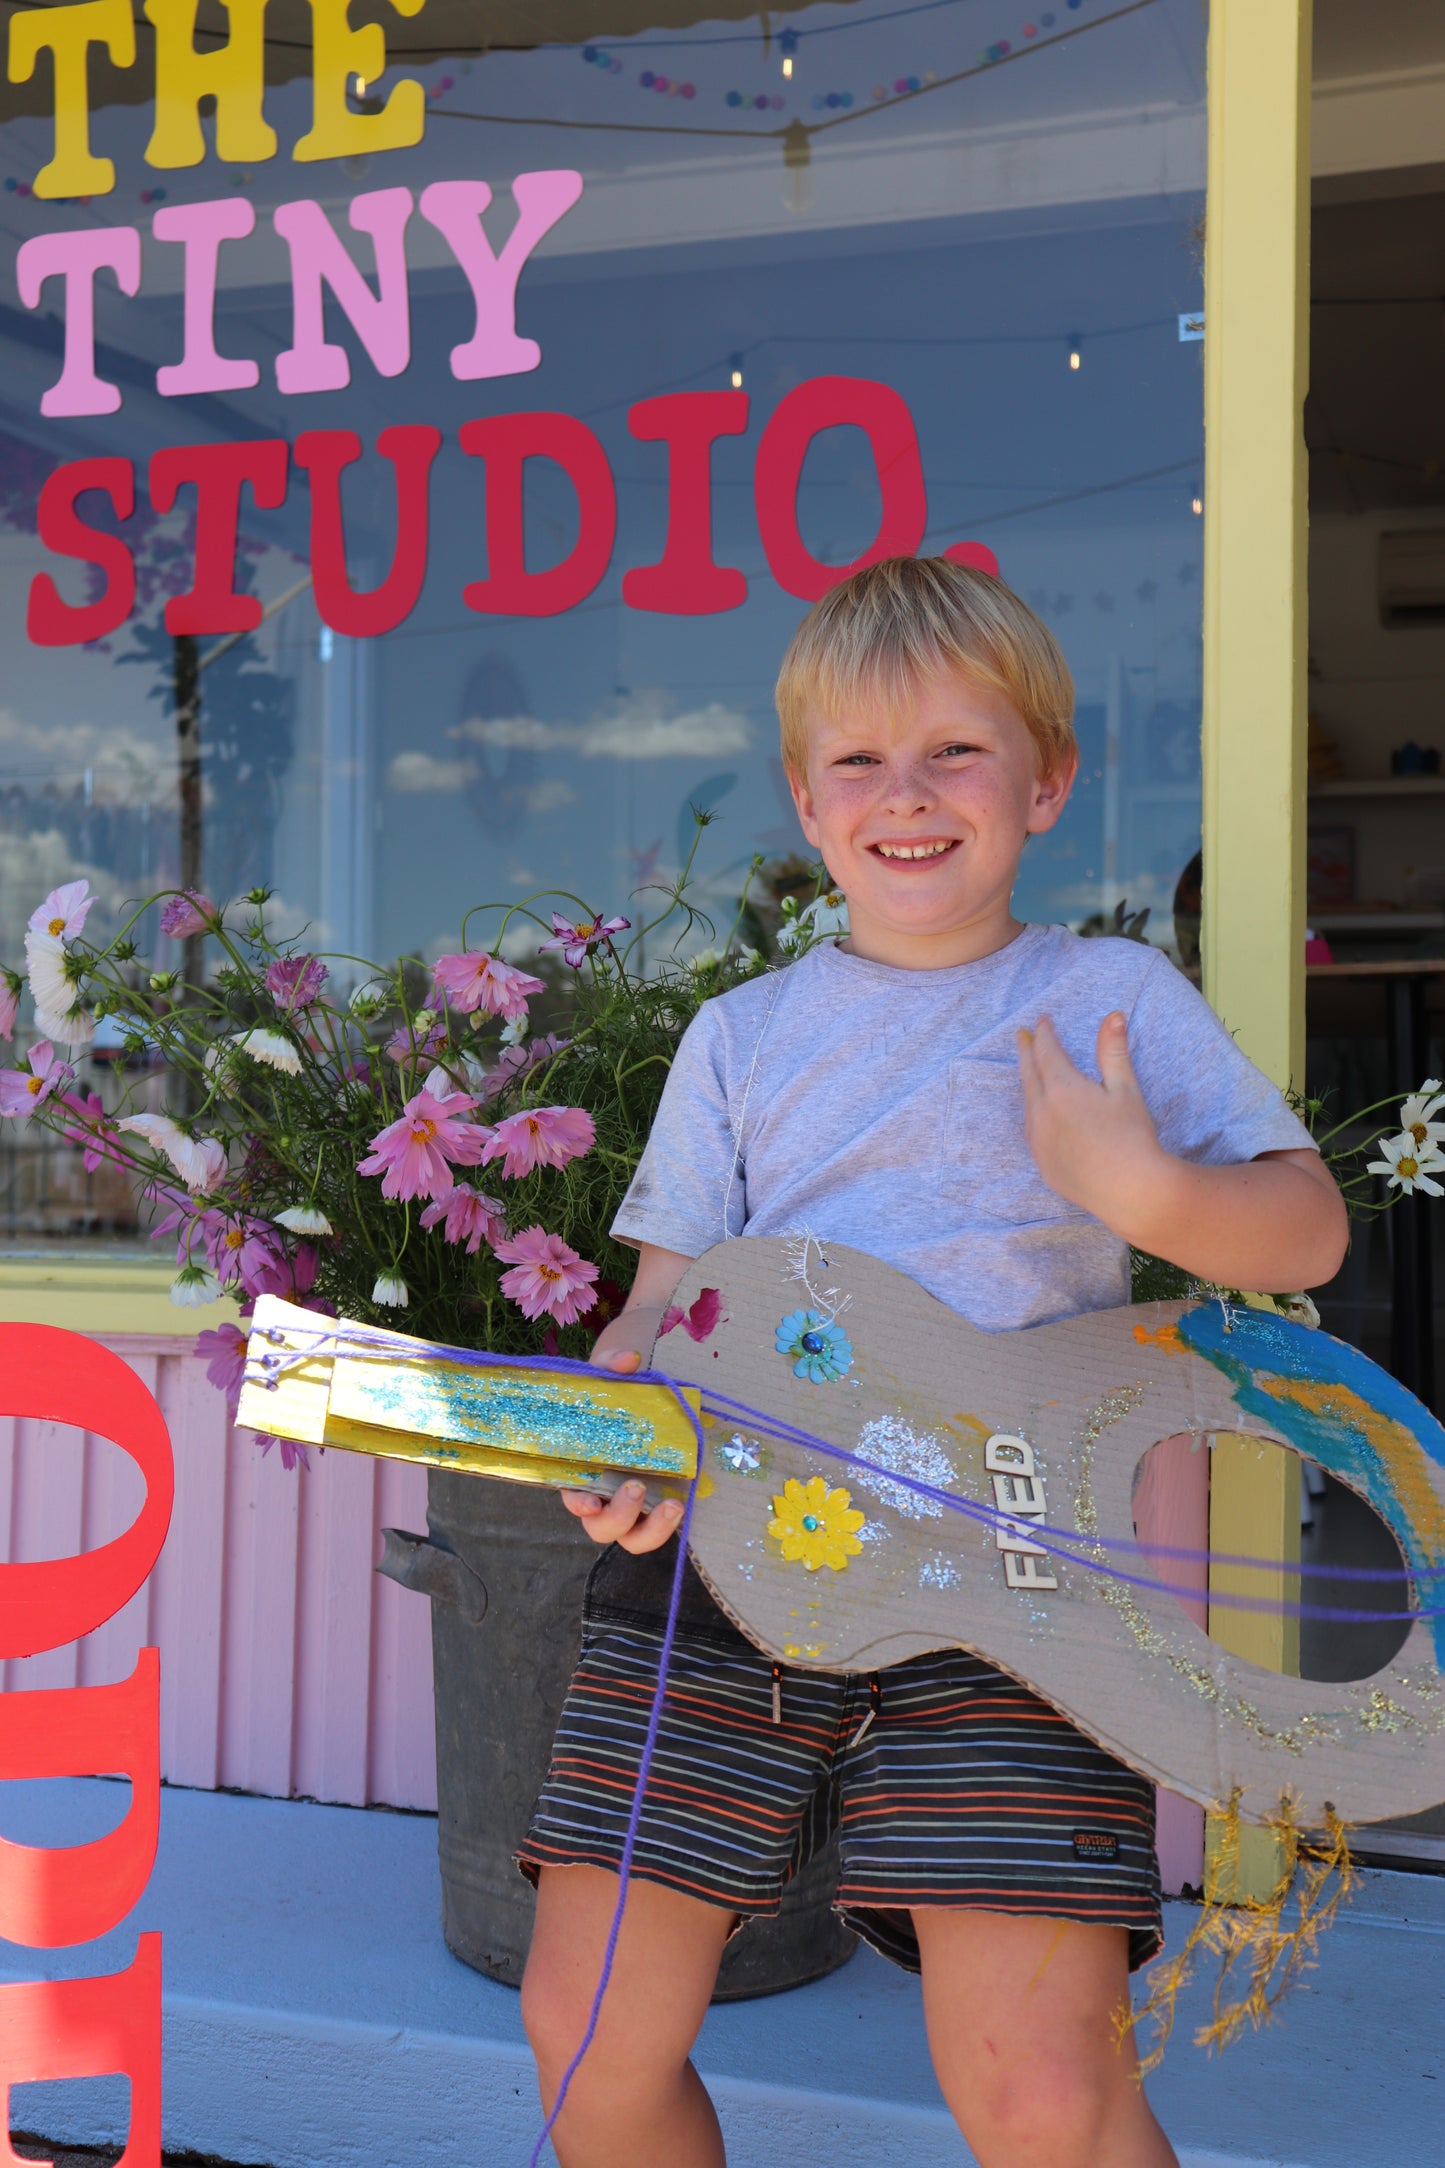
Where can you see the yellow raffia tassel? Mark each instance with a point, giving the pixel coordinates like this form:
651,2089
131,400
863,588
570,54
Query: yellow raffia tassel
1263,1943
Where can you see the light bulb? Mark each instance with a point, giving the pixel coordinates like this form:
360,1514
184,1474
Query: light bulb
788,66
1076,359
361,86
737,372
1198,507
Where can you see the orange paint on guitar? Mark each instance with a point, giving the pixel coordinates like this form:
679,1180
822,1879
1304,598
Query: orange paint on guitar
1166,1338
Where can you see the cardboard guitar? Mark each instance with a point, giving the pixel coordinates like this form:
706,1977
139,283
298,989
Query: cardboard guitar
824,1563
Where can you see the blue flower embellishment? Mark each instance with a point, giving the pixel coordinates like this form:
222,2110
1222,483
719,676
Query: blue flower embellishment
822,1349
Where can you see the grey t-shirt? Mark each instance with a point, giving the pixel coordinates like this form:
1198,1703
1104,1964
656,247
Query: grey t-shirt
883,1108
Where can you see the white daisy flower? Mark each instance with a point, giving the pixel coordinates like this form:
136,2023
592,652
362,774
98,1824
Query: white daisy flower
1409,1166
271,1048
199,1161
391,1289
515,1031
193,1287
825,919
1301,1308
1418,1113
304,1219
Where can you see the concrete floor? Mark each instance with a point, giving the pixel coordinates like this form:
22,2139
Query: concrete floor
314,2019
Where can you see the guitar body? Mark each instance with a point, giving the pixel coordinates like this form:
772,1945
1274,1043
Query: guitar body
1051,1424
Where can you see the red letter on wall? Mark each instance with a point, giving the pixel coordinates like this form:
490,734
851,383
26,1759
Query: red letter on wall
507,442
61,1377
685,581
49,621
50,1898
411,448
835,402
88,2029
977,554
218,471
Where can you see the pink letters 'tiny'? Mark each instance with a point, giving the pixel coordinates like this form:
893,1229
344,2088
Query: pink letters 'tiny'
455,208
381,320
201,228
76,257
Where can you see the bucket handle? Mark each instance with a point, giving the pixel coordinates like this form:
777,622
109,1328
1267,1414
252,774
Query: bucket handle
417,1562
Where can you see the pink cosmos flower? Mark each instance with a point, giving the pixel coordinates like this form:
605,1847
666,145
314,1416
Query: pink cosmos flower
703,1318
515,1062
90,1130
293,1454
63,914
577,941
291,1276
466,1215
548,1277
23,1090
187,913
293,982
539,1137
225,1352
414,1155
475,980
9,1004
236,1247
406,1045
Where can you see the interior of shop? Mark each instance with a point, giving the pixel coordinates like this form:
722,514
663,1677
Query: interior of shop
1375,432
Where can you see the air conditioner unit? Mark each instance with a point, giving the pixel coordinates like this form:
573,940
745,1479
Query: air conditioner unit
1412,577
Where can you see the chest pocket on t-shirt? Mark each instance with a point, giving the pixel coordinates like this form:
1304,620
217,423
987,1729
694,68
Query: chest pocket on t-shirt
987,1164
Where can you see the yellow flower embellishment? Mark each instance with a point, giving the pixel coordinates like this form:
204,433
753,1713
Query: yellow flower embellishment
816,1524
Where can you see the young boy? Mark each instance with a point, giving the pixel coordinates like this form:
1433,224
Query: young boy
997,1110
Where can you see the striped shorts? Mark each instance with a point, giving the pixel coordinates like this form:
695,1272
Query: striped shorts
947,1782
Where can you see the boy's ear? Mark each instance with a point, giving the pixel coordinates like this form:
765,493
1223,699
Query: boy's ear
1051,795
803,801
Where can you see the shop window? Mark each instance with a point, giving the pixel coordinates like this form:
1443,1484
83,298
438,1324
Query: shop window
937,272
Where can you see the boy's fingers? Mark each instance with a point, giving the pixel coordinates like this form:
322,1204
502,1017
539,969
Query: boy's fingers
1115,1067
1051,1064
624,1519
607,1520
620,1359
654,1528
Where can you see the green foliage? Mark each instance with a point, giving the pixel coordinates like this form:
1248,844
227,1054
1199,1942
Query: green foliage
294,1134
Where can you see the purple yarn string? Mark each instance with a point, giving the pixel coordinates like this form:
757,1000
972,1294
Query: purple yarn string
644,1770
1061,1543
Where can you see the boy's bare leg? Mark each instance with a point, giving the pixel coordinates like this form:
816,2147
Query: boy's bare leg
636,2101
1020,2024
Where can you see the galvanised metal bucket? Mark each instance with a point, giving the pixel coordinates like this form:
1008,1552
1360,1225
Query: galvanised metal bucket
505,1568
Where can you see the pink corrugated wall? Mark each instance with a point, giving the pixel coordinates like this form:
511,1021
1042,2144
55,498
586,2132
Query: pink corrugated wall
288,1666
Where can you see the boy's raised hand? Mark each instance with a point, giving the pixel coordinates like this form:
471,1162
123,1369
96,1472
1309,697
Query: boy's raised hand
1094,1144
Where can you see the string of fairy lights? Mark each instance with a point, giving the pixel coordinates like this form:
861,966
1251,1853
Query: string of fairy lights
790,43
792,48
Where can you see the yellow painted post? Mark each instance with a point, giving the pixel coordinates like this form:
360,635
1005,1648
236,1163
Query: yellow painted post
1255,631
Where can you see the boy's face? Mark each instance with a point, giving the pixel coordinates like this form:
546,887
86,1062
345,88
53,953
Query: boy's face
921,819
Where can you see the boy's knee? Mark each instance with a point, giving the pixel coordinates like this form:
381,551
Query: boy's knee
1054,2111
555,2010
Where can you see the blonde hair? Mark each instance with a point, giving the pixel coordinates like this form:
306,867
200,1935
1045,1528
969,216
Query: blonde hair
873,639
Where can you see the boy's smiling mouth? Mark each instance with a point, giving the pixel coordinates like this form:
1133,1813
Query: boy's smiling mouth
913,851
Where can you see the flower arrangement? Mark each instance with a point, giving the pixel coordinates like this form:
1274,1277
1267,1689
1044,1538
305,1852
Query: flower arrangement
450,1141
420,1143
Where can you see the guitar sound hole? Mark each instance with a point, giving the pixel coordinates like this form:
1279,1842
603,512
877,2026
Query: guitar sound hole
1193,1500
1340,1529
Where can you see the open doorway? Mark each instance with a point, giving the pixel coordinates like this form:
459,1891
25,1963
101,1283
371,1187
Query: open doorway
1375,429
